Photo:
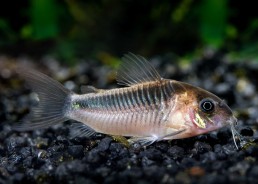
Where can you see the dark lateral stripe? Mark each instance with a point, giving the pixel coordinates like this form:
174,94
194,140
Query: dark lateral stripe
167,90
142,96
157,98
115,103
130,99
102,102
120,105
108,101
163,96
153,95
135,100
127,100
122,98
139,102
148,96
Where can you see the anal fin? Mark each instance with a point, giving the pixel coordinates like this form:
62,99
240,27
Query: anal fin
81,130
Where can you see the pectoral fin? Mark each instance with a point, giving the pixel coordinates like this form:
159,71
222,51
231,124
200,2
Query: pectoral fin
146,141
143,141
171,135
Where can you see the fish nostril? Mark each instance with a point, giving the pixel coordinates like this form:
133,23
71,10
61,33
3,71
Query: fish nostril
222,103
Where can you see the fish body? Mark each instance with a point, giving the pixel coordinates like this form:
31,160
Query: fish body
149,109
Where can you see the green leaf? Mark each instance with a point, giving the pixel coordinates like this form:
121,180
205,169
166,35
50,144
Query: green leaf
213,22
44,19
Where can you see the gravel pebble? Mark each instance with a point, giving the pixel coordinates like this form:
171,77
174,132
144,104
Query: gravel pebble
51,156
75,151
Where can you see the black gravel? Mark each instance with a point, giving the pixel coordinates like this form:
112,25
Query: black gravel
51,156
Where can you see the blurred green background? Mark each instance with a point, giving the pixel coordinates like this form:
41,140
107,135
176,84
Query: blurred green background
71,29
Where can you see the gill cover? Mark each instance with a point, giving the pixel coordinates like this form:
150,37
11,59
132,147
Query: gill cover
199,121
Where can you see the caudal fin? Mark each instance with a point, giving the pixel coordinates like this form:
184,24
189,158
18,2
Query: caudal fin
53,99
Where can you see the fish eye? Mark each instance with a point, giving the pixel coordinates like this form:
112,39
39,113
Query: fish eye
207,105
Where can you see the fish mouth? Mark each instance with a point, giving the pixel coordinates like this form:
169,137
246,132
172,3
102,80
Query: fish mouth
233,122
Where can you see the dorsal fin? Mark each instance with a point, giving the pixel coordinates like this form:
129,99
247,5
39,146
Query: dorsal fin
136,69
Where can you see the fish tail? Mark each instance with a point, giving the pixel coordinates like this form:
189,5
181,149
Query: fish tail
53,101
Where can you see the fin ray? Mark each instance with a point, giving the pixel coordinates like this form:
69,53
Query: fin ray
143,141
170,136
136,69
52,101
80,130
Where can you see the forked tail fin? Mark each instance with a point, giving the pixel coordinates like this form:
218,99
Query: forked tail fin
53,101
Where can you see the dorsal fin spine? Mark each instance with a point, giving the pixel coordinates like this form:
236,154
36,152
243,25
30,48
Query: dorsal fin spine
136,69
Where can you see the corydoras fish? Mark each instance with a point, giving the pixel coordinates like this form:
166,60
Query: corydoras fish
149,109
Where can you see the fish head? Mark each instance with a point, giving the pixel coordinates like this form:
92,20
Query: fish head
208,112
197,111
